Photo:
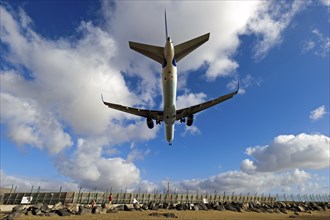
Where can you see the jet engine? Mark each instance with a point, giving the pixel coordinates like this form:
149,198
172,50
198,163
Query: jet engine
150,123
190,120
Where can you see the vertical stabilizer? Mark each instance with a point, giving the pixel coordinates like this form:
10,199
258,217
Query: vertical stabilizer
166,26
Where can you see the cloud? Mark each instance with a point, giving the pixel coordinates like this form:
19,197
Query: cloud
317,113
325,2
27,124
269,22
244,83
136,154
277,168
317,43
309,151
25,184
88,168
190,99
295,181
192,130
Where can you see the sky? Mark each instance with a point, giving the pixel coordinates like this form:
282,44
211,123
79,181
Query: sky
58,57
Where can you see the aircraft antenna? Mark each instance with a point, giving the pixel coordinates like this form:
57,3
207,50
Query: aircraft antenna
166,26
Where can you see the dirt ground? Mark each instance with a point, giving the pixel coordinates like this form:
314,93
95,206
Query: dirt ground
187,215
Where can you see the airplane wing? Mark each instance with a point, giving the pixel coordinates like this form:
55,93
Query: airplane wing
155,115
182,113
187,47
154,52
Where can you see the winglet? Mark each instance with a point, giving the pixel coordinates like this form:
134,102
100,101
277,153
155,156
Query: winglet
237,87
102,98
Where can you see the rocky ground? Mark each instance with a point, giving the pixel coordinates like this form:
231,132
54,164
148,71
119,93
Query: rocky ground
231,211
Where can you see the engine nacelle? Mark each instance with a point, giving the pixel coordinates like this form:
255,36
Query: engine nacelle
150,123
190,120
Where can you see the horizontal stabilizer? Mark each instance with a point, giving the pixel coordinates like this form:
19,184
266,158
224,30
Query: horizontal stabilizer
187,47
154,52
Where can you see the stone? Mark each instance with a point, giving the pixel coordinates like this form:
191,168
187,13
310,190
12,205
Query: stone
36,212
96,210
58,206
45,208
18,208
137,206
73,208
166,205
103,210
220,208
39,205
128,207
151,205
300,208
121,207
62,212
145,206
253,209
283,210
13,216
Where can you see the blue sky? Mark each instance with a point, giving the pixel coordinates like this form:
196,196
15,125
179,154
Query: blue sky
57,57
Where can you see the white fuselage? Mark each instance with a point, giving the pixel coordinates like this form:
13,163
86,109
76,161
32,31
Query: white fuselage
169,81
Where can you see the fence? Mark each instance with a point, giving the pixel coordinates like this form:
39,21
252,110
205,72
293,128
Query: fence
80,197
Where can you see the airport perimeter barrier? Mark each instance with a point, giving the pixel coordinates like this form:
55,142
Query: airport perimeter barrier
13,198
124,198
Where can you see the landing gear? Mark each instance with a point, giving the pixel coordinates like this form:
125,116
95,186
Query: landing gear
183,120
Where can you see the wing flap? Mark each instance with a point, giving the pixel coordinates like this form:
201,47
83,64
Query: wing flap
154,52
182,113
187,47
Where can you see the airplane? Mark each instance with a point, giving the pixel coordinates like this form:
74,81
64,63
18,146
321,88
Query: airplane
168,56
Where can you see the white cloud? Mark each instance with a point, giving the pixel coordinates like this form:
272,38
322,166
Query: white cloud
317,43
277,168
244,83
190,99
317,113
307,46
28,124
326,2
25,184
269,23
309,151
295,181
192,130
136,154
88,168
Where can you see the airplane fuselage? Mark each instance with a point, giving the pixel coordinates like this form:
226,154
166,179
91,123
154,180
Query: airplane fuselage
169,81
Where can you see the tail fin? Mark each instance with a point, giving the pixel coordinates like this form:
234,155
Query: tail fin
166,26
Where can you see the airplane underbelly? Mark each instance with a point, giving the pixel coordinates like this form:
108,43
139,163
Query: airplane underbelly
169,133
169,80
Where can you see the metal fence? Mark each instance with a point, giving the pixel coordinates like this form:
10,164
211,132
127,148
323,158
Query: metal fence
124,197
